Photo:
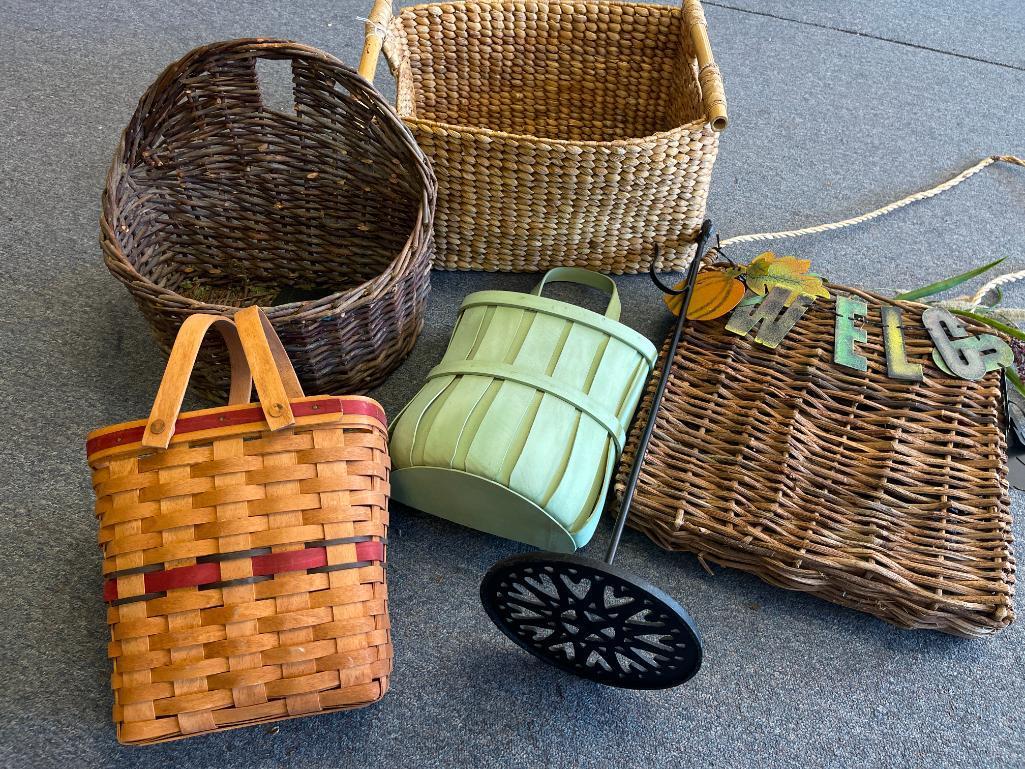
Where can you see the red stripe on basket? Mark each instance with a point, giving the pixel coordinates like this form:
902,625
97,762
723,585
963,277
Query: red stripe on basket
370,551
240,417
293,560
110,590
201,574
183,576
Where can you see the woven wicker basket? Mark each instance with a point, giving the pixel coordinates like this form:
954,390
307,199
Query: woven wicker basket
212,187
882,495
243,547
562,133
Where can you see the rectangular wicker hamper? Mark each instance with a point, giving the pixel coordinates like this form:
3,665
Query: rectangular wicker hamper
243,547
562,133
885,496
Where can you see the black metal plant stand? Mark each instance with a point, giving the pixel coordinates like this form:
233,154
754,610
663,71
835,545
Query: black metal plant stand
590,617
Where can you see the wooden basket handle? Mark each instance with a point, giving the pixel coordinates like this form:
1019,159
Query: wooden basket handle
171,393
713,95
255,354
275,379
380,18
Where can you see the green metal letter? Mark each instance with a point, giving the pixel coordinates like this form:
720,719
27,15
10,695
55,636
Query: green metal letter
964,361
996,353
774,325
845,334
897,365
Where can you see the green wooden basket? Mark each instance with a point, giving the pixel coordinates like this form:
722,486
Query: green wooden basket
518,429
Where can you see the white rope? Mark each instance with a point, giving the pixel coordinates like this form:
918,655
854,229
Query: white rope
889,208
997,282
966,303
381,29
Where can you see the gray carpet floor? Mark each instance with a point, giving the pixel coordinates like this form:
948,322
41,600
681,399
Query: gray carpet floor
835,107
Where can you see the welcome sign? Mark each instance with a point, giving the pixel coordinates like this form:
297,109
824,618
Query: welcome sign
957,352
779,290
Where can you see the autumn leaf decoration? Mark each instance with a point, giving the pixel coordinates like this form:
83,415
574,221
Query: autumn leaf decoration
718,291
767,271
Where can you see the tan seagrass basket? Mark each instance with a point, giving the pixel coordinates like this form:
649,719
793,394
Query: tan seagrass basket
243,547
562,133
256,166
882,495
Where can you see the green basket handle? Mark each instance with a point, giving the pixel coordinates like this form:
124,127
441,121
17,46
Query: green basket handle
585,278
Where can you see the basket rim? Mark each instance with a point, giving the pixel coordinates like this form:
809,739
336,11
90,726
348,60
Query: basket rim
122,436
305,309
655,7
701,124
345,300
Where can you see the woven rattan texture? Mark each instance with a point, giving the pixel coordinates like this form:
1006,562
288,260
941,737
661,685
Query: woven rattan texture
199,659
212,188
885,496
562,133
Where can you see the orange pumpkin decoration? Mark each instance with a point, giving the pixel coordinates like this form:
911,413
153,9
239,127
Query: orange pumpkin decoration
716,292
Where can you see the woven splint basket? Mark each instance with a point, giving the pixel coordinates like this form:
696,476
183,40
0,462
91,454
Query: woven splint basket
562,133
243,547
516,432
256,166
883,495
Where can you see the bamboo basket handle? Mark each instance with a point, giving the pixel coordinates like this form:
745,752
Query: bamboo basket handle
380,18
275,379
712,93
171,393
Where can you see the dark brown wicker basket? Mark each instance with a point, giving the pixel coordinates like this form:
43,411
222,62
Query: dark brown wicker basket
885,496
211,187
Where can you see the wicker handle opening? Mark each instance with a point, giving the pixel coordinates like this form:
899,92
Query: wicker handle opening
171,393
376,27
713,95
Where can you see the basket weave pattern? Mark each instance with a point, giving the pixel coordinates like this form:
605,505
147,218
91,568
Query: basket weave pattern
212,187
885,496
562,133
201,658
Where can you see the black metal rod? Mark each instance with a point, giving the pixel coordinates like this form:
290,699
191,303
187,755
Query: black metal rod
656,400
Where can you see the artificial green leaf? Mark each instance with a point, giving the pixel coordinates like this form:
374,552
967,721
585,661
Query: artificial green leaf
1012,375
1011,331
943,285
767,271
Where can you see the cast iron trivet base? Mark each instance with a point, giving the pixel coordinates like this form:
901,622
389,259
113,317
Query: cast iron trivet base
588,617
592,619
